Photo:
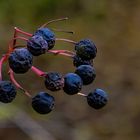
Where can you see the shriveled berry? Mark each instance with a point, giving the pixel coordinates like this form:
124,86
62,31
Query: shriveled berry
7,92
72,83
37,45
48,35
54,81
43,103
77,61
87,73
86,49
97,99
20,60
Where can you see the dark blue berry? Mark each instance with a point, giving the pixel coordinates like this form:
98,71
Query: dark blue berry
7,92
37,45
54,81
72,83
77,61
48,35
87,73
97,99
86,49
43,103
20,60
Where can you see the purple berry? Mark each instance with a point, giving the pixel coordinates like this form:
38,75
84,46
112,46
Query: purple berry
7,92
43,103
97,99
54,81
48,35
87,73
86,49
72,83
37,45
20,60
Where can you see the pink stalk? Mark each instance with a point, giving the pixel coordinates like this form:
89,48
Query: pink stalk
37,71
55,20
1,62
11,47
82,94
66,40
11,74
61,53
22,32
15,35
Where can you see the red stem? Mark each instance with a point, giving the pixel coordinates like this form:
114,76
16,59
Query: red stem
1,62
11,47
62,52
22,32
11,73
15,35
66,40
38,71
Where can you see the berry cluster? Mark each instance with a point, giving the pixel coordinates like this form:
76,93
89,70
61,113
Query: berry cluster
20,60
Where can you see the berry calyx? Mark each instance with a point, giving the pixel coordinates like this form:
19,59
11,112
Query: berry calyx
7,92
97,99
72,83
54,81
86,49
43,103
20,60
87,73
37,45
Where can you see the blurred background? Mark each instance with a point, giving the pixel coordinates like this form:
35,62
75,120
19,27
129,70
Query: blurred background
114,26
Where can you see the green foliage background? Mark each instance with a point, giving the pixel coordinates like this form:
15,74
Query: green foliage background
114,25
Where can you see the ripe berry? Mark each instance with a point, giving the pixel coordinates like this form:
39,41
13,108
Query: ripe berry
37,45
43,103
86,49
7,92
77,61
97,99
54,81
72,83
48,35
87,73
20,60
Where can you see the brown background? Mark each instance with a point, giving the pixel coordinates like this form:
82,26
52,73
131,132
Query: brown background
114,25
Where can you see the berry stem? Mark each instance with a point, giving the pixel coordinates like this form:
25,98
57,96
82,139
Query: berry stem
61,53
60,30
1,62
38,71
11,47
15,35
55,20
82,94
22,32
11,74
66,40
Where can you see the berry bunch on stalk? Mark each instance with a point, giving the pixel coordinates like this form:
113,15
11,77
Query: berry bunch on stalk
20,60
